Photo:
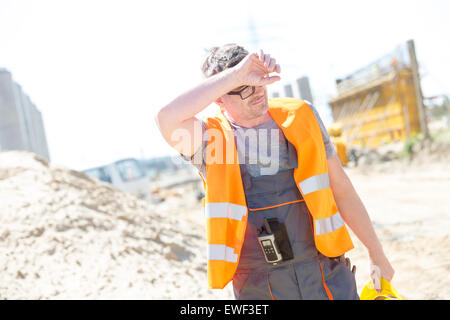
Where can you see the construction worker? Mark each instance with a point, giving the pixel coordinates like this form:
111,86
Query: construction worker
270,172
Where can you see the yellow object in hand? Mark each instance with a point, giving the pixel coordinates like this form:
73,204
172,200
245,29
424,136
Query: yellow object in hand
388,292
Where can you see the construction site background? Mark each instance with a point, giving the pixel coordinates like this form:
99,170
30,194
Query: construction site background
67,235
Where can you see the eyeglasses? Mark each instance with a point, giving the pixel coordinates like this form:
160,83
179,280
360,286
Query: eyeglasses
244,92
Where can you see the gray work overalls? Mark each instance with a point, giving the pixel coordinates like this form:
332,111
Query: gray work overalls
300,278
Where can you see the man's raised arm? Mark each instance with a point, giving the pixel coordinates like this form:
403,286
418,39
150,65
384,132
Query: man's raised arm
178,117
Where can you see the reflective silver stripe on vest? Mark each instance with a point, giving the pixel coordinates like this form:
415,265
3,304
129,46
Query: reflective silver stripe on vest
221,252
225,210
330,224
315,183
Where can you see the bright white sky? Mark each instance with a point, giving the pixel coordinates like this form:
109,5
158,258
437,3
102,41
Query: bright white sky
99,70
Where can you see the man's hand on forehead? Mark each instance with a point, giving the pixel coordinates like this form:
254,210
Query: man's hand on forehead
254,70
269,62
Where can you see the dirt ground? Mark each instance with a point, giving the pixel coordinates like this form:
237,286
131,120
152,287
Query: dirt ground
410,208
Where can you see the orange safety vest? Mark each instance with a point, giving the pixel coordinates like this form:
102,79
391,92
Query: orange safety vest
225,206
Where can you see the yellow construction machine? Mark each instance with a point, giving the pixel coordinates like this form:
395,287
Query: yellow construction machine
378,104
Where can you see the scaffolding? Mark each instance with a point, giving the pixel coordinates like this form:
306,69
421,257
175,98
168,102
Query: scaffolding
382,102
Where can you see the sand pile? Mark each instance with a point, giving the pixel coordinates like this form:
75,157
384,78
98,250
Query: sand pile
64,235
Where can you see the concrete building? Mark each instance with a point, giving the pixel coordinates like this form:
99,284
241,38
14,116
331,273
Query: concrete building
300,88
288,91
21,125
305,89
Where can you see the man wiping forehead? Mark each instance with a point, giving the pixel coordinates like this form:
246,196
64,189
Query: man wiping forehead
263,149
288,179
